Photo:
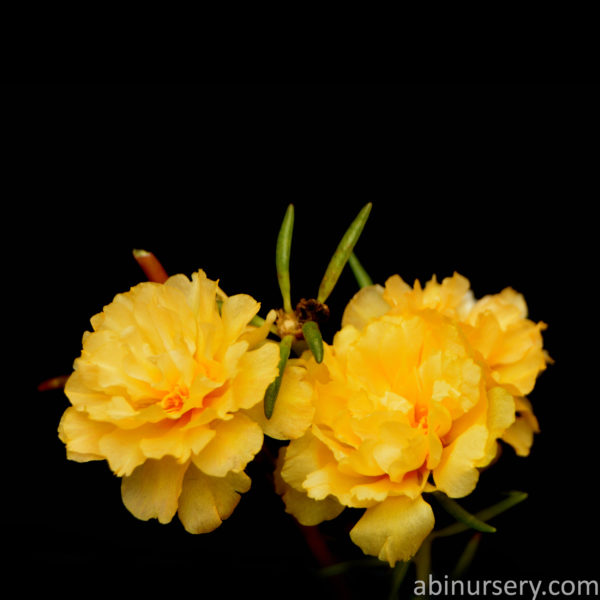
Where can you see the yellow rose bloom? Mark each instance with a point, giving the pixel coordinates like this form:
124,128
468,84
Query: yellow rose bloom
162,391
412,397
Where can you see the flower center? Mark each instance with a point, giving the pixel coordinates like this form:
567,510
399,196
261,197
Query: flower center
174,400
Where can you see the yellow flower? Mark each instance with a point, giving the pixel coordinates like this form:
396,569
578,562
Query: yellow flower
496,326
412,396
161,391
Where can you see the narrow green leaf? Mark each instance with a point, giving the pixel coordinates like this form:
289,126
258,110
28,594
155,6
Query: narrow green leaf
461,515
282,257
361,276
467,556
342,254
486,514
313,338
513,498
273,389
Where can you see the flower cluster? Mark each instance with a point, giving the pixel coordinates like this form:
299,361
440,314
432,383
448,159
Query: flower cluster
178,384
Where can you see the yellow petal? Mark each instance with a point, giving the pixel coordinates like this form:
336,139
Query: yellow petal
81,435
294,408
256,370
236,313
122,450
330,481
173,439
394,529
396,290
366,304
205,502
255,335
235,444
302,457
200,294
500,416
457,474
523,373
306,510
520,434
153,489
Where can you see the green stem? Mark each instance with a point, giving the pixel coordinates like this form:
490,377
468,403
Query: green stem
282,257
342,254
361,276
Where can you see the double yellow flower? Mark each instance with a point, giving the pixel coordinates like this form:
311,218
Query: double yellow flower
164,390
412,396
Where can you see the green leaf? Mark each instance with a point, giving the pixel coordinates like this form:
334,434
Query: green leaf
513,499
342,254
273,390
461,515
361,276
282,257
491,512
313,338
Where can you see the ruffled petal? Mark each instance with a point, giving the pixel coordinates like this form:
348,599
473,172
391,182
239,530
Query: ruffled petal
366,304
81,435
394,529
457,474
236,313
302,457
520,434
205,501
307,511
153,489
256,370
294,408
234,445
255,335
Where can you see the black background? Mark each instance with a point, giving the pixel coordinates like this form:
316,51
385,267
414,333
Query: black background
497,182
